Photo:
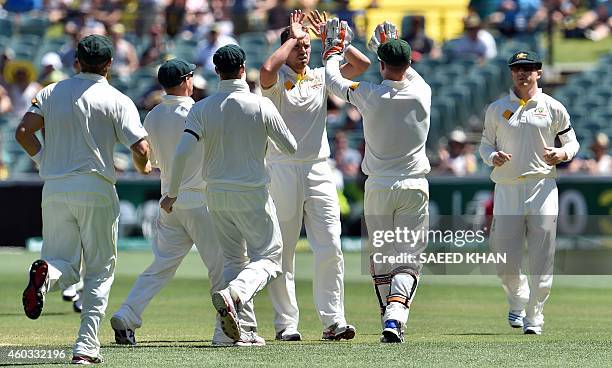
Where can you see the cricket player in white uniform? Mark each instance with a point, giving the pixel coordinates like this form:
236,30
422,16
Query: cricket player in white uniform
519,142
83,118
395,122
189,223
302,184
234,125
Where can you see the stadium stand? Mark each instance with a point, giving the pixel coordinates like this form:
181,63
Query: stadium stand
462,88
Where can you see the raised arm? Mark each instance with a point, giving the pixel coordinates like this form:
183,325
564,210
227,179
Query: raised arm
268,73
357,63
336,83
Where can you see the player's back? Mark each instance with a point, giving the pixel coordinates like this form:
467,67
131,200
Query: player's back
396,123
235,137
165,124
84,118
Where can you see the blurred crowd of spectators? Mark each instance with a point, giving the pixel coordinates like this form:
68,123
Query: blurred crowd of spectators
214,23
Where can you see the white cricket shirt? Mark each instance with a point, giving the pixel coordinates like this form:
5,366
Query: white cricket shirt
84,118
523,129
395,121
165,125
302,102
234,125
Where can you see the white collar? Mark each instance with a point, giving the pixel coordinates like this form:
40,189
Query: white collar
92,77
175,98
232,85
535,98
290,72
396,84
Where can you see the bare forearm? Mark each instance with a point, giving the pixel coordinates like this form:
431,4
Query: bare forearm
25,134
141,163
140,156
28,141
357,63
269,70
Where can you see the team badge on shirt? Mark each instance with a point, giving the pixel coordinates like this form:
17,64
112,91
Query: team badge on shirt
508,114
540,112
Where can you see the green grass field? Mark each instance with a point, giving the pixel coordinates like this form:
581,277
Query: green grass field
455,321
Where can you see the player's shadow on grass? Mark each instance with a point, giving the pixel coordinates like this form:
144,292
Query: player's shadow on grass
43,315
29,364
474,334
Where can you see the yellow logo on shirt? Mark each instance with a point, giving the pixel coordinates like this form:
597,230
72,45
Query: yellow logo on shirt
508,114
289,86
354,86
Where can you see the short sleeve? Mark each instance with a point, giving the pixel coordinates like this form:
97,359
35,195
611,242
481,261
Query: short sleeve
152,156
358,93
128,127
193,124
274,92
562,120
39,102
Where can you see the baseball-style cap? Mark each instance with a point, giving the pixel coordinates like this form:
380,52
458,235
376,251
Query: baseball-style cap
95,49
229,58
172,72
525,57
395,52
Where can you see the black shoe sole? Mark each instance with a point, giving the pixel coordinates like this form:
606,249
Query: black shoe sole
33,299
390,337
121,337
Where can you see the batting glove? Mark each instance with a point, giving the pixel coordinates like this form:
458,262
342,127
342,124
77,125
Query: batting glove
383,32
336,36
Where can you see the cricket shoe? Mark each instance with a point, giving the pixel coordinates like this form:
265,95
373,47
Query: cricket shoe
532,330
225,306
74,297
84,359
392,333
339,332
247,338
123,334
515,318
70,295
77,306
289,334
34,294
250,338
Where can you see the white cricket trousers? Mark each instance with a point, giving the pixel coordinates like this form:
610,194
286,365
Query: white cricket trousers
389,208
250,238
80,217
526,210
306,192
175,234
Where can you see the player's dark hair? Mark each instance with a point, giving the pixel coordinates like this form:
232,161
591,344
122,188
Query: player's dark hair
101,69
230,74
397,68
